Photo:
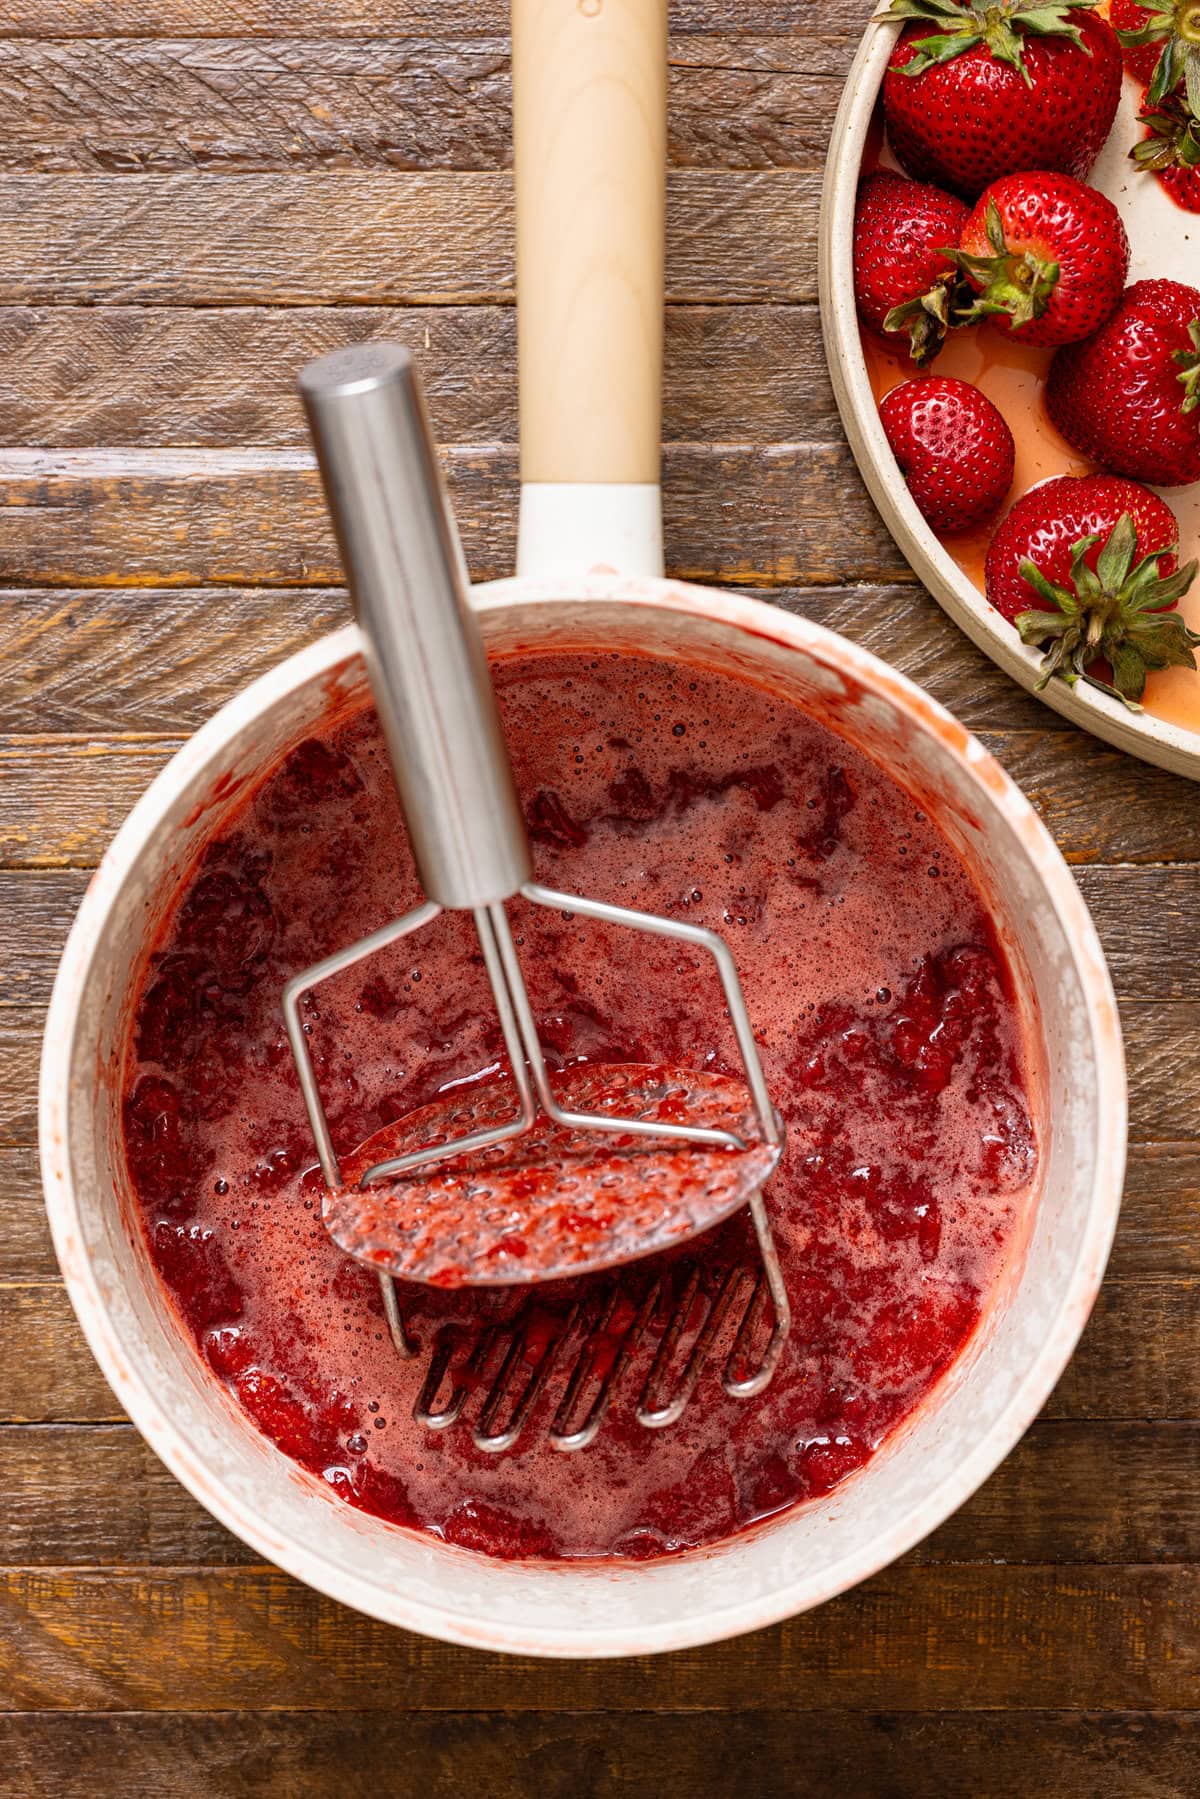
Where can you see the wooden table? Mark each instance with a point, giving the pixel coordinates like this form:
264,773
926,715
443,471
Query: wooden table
190,206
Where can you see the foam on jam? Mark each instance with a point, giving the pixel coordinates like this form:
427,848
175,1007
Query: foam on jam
889,1034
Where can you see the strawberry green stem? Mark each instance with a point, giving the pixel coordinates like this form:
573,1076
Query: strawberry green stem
1189,368
1016,282
1000,25
1120,612
1174,142
928,317
1176,25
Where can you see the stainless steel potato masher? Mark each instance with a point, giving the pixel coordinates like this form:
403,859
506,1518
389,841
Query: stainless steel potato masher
648,1157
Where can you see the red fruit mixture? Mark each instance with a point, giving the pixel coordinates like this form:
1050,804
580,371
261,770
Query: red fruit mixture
889,1032
1128,397
954,449
986,89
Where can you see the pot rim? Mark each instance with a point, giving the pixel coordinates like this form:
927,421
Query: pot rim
304,1559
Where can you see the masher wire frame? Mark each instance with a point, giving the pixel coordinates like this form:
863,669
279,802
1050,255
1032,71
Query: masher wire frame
533,1094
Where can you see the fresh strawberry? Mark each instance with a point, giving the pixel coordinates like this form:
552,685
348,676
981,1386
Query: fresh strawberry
976,89
1171,148
903,278
1047,256
1160,41
1085,567
1129,396
954,449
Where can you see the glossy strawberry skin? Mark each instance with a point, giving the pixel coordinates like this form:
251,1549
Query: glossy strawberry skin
1140,59
954,449
1183,185
967,122
1058,220
900,230
1117,397
1047,521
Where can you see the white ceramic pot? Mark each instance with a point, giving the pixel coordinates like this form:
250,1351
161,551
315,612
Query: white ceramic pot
974,1418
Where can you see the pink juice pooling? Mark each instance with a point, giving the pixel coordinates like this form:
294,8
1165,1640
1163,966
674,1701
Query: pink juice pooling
890,1035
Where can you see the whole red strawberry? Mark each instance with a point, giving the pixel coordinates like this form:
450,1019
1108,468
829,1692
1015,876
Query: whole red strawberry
1160,41
1128,397
1171,147
976,89
1084,566
1047,256
903,278
954,449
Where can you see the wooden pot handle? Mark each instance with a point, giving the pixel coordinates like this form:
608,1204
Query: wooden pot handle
589,123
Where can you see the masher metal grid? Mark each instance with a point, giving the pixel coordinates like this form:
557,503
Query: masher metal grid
433,692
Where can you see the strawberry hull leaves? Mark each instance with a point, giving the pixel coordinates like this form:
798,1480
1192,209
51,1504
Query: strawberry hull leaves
1018,284
1176,26
1000,27
1119,612
1174,141
926,320
1189,368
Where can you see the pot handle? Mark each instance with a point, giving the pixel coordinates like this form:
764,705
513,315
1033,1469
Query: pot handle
589,127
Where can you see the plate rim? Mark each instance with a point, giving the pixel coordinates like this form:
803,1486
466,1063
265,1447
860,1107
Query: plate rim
1153,740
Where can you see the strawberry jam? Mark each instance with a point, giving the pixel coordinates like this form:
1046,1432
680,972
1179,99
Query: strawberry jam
890,1036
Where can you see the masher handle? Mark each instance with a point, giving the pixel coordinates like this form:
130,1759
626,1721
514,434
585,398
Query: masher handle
424,652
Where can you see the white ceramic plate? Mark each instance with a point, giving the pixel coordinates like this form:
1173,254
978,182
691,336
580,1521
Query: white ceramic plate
1164,241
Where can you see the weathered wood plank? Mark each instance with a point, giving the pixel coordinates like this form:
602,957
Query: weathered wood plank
103,660
158,104
96,1495
599,1755
387,237
35,916
918,1638
1160,1211
1138,1360
373,18
220,376
61,799
785,514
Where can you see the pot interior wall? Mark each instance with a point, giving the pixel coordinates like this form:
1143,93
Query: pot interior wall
810,1553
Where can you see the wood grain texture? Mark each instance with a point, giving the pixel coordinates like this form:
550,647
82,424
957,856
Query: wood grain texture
785,514
987,1638
595,1755
1138,1361
220,377
88,1495
382,237
366,18
109,660
155,104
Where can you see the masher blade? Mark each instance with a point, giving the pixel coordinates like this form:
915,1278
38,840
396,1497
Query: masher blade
555,1201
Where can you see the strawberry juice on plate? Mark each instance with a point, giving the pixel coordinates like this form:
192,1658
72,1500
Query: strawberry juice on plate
891,1036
